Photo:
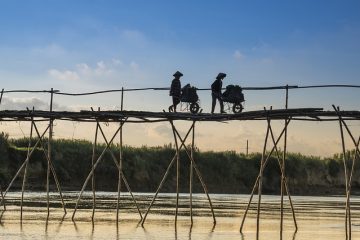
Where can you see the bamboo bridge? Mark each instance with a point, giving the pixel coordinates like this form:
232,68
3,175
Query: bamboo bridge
286,115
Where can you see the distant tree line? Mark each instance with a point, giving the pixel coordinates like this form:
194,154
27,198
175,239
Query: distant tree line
223,172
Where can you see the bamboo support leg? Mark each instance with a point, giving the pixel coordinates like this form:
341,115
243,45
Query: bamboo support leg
21,168
198,174
357,152
92,172
49,156
283,169
257,179
248,205
285,181
118,166
164,177
205,189
25,171
260,180
191,171
158,189
132,195
2,198
119,176
93,176
349,187
48,170
177,171
346,178
282,183
52,169
125,181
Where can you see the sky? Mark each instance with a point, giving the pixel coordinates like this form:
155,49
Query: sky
80,46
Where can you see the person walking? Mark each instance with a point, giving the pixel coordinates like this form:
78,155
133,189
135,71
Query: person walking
175,91
216,87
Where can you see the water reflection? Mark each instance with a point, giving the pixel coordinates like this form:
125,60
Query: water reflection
319,218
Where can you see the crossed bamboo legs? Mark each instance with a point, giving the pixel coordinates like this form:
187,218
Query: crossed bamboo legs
258,183
348,177
118,164
24,168
193,166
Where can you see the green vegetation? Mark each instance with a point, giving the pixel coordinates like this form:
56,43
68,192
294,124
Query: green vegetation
223,172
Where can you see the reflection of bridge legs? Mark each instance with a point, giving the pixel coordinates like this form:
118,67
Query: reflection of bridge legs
118,164
193,166
258,182
346,158
24,166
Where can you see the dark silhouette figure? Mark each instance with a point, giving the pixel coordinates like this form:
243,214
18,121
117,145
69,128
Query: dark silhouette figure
216,92
175,91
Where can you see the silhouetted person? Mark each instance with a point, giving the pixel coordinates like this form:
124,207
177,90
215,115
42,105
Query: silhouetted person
216,92
175,91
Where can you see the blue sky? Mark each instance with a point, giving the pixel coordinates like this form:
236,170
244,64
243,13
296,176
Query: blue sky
78,46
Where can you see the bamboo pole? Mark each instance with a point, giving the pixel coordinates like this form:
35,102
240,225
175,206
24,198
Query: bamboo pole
348,192
198,174
283,168
2,198
25,171
21,168
158,189
257,179
164,177
52,169
49,155
132,196
247,147
349,187
120,161
177,170
2,92
347,180
260,181
118,166
250,200
346,177
285,181
191,172
92,168
92,171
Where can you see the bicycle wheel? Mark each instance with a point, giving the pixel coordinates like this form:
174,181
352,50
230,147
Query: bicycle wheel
237,108
194,107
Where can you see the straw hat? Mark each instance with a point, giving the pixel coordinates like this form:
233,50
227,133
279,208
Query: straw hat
221,75
178,74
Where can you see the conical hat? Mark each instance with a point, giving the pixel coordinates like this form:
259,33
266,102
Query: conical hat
221,75
178,74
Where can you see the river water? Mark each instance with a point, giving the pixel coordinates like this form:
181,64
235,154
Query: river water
317,217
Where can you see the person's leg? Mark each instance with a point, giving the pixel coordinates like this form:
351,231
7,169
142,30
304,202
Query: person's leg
221,105
213,102
176,101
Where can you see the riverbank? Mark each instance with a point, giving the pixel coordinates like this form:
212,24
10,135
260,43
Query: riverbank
223,172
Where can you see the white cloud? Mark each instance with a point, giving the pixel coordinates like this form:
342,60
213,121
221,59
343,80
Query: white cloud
104,69
23,103
83,69
65,75
116,62
134,65
52,50
238,55
134,36
101,68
